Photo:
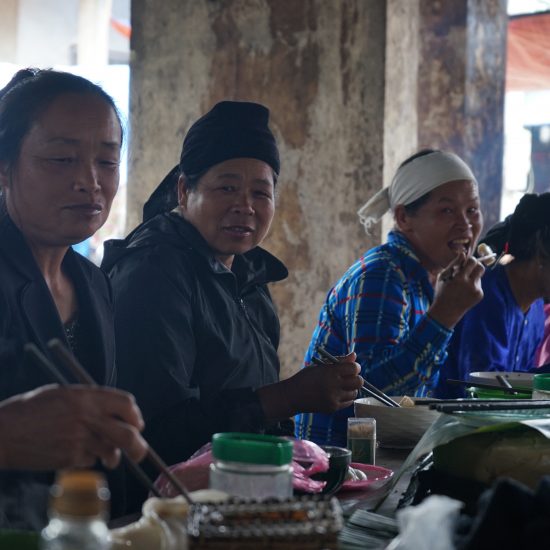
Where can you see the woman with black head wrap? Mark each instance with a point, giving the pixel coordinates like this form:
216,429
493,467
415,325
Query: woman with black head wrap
503,332
197,332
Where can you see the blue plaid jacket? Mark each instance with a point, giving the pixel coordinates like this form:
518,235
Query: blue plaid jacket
378,310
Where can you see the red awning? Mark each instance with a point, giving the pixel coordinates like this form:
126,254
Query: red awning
528,63
122,27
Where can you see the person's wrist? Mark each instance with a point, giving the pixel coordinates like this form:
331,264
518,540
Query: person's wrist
276,400
288,397
443,316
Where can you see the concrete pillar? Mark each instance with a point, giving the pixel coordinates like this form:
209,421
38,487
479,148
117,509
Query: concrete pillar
487,27
445,86
401,90
319,66
8,31
354,87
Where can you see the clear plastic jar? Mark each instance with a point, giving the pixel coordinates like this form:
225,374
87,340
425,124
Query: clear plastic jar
78,513
541,386
252,466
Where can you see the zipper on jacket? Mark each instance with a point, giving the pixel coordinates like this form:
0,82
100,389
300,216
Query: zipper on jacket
243,307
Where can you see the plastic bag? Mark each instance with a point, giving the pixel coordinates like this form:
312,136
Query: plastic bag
307,459
193,473
429,526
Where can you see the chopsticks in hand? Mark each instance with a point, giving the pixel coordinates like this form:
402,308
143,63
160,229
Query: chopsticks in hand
43,362
368,388
488,260
67,359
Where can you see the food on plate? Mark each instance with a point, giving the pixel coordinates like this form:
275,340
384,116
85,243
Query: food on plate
406,401
486,254
354,474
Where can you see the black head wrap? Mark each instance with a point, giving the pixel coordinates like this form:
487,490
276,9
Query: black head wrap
232,129
515,234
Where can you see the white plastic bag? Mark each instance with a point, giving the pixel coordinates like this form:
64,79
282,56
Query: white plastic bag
428,526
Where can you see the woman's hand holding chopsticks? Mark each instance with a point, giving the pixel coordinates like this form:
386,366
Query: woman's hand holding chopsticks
319,388
457,289
117,421
56,427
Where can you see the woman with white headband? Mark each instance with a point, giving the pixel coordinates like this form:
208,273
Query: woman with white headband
396,307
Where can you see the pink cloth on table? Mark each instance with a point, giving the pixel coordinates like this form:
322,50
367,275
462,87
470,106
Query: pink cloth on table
543,353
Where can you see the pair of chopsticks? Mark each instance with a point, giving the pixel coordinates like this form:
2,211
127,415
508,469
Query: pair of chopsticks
473,405
506,389
450,273
487,257
69,361
425,402
368,388
503,382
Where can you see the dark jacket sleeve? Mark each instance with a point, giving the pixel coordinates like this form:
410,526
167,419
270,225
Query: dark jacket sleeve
156,352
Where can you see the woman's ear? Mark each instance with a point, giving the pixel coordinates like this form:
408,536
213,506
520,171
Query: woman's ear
182,192
402,219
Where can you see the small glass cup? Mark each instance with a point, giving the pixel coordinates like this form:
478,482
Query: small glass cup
362,439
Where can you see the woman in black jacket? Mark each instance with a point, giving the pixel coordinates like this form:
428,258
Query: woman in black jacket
60,139
197,332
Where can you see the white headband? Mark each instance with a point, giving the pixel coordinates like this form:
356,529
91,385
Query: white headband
414,180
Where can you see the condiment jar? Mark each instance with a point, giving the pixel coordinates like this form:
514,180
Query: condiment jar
252,466
541,386
78,512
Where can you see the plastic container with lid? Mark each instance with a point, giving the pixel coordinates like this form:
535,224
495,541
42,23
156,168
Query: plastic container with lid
252,466
541,386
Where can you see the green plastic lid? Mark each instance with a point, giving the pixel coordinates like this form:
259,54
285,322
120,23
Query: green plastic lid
252,448
541,382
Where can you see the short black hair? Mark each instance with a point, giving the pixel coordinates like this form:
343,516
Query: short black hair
28,94
525,233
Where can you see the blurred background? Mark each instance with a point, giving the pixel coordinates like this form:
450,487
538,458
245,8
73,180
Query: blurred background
89,38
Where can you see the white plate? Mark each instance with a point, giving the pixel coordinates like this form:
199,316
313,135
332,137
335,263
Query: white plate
517,379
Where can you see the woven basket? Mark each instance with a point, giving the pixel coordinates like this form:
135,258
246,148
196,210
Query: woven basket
308,523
